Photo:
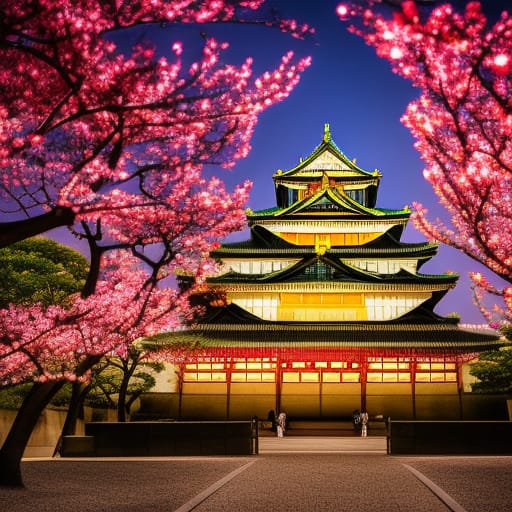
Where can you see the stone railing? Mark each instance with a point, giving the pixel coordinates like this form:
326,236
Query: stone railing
449,437
161,438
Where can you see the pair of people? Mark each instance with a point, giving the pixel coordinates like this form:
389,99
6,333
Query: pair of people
360,421
281,424
277,424
364,424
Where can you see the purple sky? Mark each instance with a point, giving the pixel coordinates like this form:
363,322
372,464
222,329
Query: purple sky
355,92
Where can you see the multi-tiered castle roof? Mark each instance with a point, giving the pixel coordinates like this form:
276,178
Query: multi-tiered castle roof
326,267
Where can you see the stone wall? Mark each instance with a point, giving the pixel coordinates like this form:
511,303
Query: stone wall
45,436
49,426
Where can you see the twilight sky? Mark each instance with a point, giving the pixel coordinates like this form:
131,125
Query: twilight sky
354,91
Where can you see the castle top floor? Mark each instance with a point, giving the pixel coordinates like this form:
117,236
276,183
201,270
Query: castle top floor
326,166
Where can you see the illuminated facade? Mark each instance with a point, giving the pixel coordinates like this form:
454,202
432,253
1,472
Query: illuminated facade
327,310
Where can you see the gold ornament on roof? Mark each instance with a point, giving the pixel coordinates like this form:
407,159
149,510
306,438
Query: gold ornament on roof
327,133
325,180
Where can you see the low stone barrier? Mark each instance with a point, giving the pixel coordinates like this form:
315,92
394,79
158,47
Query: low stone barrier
449,437
160,438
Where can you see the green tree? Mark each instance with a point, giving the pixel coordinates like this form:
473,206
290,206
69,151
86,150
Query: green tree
121,381
493,371
494,368
115,382
40,270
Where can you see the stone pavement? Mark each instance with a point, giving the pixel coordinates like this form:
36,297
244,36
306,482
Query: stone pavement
290,474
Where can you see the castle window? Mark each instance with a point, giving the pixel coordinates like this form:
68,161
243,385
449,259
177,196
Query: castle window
350,376
291,377
335,377
319,271
292,196
310,377
331,376
391,369
358,195
436,377
206,377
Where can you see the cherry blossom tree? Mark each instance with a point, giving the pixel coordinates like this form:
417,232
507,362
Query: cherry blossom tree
113,143
462,121
54,344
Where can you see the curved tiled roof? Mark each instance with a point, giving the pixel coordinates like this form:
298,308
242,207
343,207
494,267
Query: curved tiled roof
340,271
364,335
264,242
327,144
340,200
355,208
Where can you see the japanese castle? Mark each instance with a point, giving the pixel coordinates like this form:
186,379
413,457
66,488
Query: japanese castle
327,311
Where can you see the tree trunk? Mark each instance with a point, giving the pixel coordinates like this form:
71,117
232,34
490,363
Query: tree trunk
129,367
21,430
11,232
130,402
78,394
121,401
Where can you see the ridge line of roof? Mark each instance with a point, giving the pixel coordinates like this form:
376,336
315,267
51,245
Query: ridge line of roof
327,143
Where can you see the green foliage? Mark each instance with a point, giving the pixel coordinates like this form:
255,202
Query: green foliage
102,392
12,397
506,330
105,384
40,270
63,396
494,372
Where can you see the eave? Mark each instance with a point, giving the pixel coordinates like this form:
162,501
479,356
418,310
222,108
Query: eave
264,244
402,338
348,209
343,274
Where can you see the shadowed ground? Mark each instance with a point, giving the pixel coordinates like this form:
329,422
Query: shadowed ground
290,474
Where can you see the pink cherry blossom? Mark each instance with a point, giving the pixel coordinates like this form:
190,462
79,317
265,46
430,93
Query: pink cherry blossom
462,122
113,143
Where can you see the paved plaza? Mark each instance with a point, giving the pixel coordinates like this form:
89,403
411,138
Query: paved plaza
291,474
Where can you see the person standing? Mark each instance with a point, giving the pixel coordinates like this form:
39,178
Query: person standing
364,424
281,424
356,420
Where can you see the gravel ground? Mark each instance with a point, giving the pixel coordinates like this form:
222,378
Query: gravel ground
276,480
